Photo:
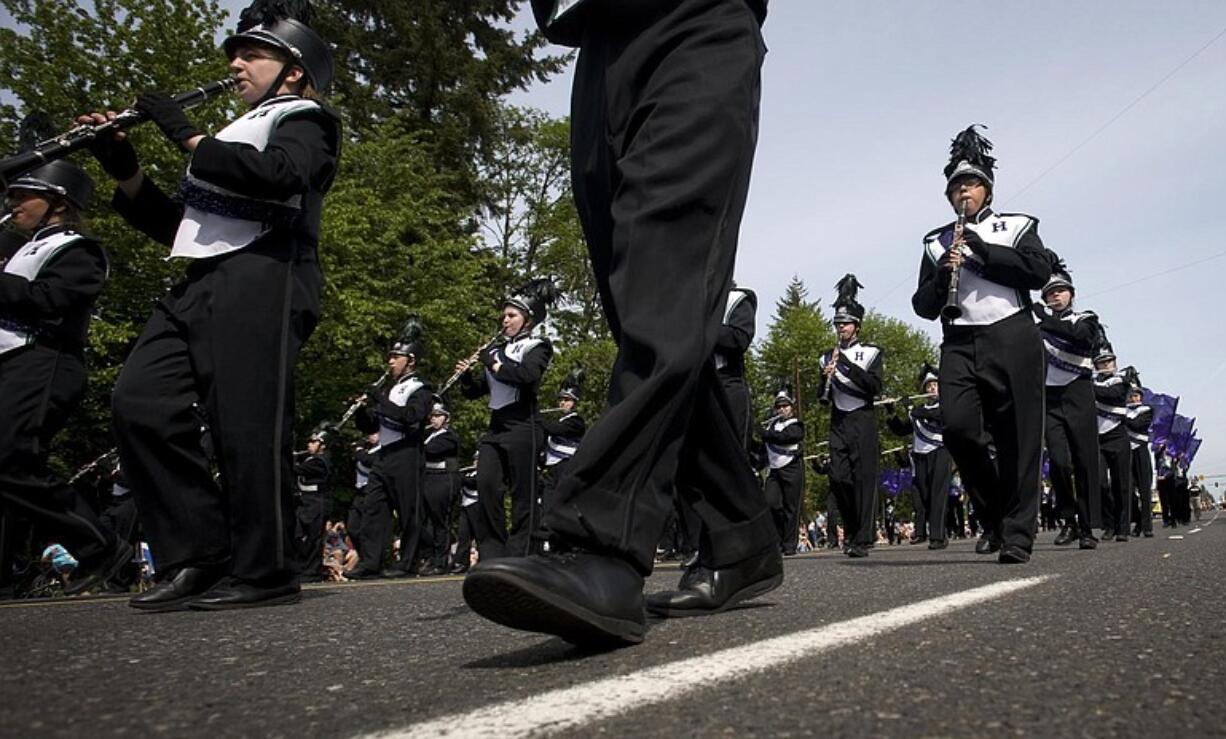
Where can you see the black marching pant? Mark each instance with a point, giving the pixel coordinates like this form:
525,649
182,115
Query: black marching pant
1116,478
932,472
470,520
508,461
39,388
356,519
226,337
313,511
992,392
918,506
438,491
392,487
854,451
1071,432
1143,489
737,393
662,148
783,491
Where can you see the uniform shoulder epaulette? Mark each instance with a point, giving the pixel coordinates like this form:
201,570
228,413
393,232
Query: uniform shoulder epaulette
938,231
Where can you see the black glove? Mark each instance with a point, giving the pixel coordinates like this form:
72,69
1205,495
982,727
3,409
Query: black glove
974,242
118,158
168,115
486,357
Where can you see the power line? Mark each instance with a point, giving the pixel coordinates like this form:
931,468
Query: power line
1158,274
1119,114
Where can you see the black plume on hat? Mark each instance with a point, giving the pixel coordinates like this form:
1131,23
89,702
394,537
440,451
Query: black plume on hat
535,298
409,341
969,155
1102,345
927,374
1060,274
572,385
846,307
268,12
784,395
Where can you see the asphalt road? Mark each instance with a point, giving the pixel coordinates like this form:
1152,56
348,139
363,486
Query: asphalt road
1123,641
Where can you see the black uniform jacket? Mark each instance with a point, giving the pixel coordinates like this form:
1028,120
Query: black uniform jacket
300,159
58,301
569,29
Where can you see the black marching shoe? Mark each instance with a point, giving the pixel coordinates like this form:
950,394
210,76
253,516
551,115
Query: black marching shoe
856,551
937,544
108,566
176,591
1108,535
232,593
361,573
1147,534
1087,542
1121,537
459,568
703,590
1013,555
987,545
395,572
1067,535
589,600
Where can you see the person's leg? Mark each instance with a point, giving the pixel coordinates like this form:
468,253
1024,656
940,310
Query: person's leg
375,520
523,447
965,437
1060,454
842,482
772,492
1082,421
865,458
157,428
1143,481
310,534
39,388
491,531
662,228
409,507
939,471
793,495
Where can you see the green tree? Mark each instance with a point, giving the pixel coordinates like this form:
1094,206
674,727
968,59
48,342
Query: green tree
441,67
65,58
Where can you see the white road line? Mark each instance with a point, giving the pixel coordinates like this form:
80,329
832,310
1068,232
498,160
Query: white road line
1195,531
570,708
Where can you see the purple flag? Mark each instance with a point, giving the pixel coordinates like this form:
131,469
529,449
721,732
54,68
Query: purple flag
1193,448
1164,413
1181,434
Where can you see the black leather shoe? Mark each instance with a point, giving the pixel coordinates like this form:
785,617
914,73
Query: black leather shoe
917,540
1067,535
987,545
361,573
1121,537
1013,555
703,590
587,599
689,560
937,544
176,591
232,593
1087,542
459,568
395,573
1148,534
1108,535
856,551
107,567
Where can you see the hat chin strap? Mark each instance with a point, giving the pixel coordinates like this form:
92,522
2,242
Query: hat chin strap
272,90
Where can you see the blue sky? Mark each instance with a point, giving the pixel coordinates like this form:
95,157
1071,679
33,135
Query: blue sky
860,100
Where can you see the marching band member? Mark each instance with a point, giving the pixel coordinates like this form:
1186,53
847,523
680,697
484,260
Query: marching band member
1111,399
562,437
228,335
311,472
441,450
1140,416
991,355
1071,429
930,462
400,415
511,377
47,291
851,377
662,149
735,335
785,483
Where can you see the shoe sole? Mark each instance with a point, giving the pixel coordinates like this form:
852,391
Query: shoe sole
514,602
166,606
100,577
280,600
755,590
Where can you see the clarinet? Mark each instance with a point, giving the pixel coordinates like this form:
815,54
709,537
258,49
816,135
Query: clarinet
361,401
455,376
828,393
81,136
952,309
